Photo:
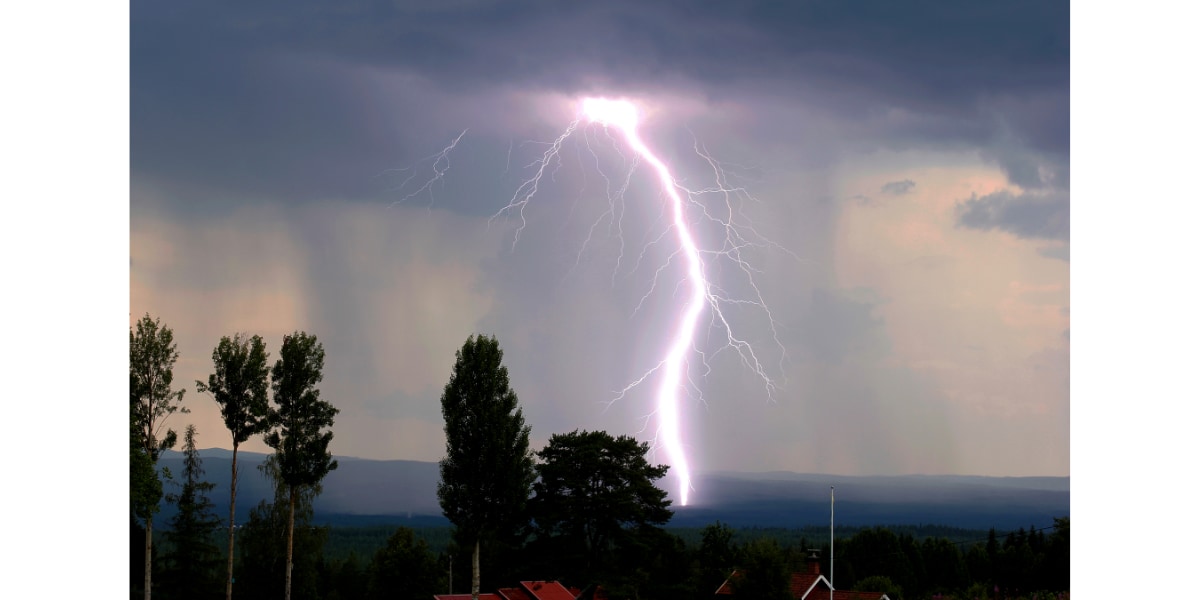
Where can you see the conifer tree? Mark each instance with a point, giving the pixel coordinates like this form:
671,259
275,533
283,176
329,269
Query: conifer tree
193,561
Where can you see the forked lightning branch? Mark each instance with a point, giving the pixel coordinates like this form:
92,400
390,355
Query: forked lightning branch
702,296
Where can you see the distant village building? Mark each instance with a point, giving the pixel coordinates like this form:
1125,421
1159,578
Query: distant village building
809,585
529,590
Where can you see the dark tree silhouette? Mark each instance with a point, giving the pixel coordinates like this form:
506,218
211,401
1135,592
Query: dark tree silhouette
299,423
193,561
152,357
145,488
262,541
239,385
404,569
764,574
488,469
716,558
597,494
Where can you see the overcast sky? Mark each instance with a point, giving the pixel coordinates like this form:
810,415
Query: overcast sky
905,169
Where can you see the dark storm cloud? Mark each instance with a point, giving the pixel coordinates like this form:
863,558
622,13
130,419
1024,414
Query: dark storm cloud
898,188
250,123
269,97
935,49
1030,215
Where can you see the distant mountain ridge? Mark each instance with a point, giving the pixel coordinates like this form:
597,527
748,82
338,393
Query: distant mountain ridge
376,491
359,486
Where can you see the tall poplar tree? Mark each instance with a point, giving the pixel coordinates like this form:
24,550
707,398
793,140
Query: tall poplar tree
152,357
487,473
239,385
299,425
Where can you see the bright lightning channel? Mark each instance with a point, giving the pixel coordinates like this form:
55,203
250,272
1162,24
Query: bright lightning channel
623,116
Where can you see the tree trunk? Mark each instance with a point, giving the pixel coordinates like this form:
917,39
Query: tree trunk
474,572
232,502
149,527
287,585
149,439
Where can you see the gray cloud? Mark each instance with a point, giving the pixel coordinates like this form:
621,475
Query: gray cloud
1031,170
287,99
898,188
1029,215
904,48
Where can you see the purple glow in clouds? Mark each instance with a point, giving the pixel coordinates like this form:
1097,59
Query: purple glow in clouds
623,116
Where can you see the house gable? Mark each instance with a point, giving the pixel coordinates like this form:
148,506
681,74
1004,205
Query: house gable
803,584
808,586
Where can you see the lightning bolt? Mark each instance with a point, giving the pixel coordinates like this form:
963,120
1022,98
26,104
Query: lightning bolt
439,164
623,117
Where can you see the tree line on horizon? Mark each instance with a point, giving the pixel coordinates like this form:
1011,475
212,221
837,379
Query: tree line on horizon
583,510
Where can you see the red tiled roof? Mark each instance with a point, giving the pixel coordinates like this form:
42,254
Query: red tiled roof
726,588
803,582
802,588
591,592
547,590
513,593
